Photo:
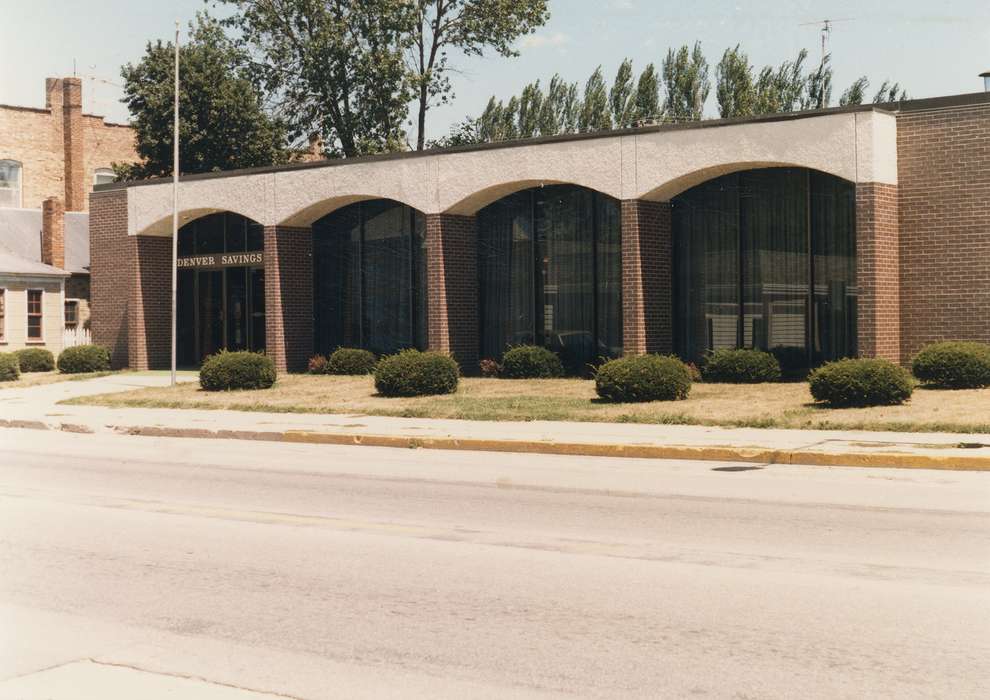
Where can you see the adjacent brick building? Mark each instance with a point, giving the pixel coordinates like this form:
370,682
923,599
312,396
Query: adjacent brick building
849,231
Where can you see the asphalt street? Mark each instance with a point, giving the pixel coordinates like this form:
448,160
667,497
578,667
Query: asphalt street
309,571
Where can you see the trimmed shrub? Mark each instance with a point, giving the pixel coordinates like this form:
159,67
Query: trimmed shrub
694,371
489,367
84,358
953,365
740,366
10,369
317,365
865,382
643,378
415,373
351,361
531,362
236,370
35,360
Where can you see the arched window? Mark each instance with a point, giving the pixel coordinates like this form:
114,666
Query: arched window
10,184
103,176
766,259
550,274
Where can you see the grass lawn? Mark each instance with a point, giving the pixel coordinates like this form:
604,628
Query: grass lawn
786,405
38,378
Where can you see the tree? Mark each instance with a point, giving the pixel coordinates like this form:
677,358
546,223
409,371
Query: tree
622,97
889,92
780,90
734,85
530,110
222,123
855,93
594,115
648,94
465,133
332,66
685,76
471,27
818,93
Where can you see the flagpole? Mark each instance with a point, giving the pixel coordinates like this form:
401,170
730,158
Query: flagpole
175,195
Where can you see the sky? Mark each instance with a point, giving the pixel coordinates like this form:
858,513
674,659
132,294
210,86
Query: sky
930,48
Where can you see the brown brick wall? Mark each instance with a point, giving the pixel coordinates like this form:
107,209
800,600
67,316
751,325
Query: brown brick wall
72,140
149,307
452,287
877,271
110,272
289,296
646,277
943,165
36,138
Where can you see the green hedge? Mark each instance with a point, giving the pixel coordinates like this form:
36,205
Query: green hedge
10,369
740,366
236,370
865,382
84,358
415,373
36,360
351,361
953,365
643,378
531,362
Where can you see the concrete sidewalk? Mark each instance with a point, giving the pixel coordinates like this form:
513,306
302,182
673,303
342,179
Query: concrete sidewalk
37,407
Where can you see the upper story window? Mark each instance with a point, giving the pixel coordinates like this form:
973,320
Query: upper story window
10,184
103,176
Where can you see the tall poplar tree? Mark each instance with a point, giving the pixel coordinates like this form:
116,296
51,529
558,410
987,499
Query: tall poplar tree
685,77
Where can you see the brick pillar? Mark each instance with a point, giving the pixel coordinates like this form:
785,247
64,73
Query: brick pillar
452,287
72,129
646,277
111,256
877,271
149,310
53,232
289,296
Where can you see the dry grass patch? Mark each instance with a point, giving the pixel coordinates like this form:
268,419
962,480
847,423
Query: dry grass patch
40,378
786,405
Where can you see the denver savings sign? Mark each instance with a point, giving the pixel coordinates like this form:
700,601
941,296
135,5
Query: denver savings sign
225,260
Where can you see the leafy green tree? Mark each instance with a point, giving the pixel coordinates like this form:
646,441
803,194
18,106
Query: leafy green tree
685,76
222,122
889,92
468,26
780,90
622,97
530,110
332,67
734,89
595,115
818,92
647,94
855,93
464,133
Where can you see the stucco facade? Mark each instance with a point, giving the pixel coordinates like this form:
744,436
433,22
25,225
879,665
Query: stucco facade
643,169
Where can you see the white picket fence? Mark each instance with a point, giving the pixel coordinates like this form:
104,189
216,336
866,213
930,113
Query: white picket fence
76,336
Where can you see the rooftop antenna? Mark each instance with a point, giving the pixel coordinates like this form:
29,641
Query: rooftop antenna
826,29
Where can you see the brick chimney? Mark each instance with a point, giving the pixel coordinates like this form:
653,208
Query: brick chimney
53,232
72,129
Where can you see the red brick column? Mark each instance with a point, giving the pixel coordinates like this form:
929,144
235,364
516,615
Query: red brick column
646,277
452,287
72,135
53,232
878,271
149,310
111,256
289,296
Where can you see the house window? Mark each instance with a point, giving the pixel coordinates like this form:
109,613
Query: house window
71,313
103,176
34,314
10,184
3,312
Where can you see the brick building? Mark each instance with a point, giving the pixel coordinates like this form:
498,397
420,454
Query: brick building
50,159
850,231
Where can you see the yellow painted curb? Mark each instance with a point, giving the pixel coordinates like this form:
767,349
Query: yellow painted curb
712,454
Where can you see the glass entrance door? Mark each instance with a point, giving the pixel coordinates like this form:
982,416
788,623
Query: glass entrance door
220,309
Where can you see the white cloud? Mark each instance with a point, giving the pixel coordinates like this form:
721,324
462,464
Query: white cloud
620,4
539,41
